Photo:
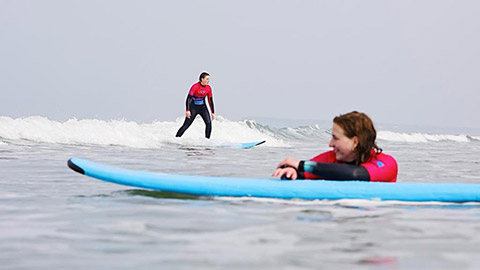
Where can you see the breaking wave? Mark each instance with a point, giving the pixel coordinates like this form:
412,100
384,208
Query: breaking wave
158,133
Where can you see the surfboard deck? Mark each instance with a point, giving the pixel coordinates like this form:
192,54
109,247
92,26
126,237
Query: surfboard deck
246,145
274,188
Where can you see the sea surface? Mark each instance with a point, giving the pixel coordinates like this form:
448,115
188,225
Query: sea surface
54,218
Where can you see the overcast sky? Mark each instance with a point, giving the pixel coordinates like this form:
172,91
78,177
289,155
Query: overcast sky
401,62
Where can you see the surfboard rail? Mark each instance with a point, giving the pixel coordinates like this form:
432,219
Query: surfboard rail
274,188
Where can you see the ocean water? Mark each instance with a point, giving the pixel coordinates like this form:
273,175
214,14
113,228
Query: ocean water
54,218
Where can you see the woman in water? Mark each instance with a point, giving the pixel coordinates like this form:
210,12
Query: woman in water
195,104
355,155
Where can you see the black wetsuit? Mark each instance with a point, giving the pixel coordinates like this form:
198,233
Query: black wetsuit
196,105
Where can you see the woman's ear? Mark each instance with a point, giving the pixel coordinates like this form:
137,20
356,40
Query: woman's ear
355,142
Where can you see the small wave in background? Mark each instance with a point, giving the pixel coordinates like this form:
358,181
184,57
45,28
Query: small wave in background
422,137
160,133
132,134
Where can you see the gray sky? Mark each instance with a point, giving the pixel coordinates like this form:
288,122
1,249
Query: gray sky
401,62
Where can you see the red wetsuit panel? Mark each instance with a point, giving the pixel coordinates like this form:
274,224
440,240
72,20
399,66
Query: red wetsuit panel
381,167
200,91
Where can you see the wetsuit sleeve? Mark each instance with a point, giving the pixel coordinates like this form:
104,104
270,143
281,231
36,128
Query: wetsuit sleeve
188,101
210,101
333,171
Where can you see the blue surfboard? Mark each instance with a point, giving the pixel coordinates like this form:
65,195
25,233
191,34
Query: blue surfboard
274,188
243,145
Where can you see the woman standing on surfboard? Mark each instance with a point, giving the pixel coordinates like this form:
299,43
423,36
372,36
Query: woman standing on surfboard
355,155
195,104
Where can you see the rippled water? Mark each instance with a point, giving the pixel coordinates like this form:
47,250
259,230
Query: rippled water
54,218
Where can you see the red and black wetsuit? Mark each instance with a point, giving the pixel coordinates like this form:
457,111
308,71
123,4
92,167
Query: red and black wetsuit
379,167
195,103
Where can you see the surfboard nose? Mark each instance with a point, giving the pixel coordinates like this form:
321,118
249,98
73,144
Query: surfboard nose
74,167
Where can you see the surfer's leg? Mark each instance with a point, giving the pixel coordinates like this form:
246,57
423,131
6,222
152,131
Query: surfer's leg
208,130
187,123
208,122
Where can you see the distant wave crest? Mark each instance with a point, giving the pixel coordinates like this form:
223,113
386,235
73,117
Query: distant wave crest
157,134
130,133
421,137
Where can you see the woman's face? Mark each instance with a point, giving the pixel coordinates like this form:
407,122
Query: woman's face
205,80
342,145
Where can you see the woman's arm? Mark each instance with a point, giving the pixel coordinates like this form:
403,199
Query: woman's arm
334,171
210,102
188,101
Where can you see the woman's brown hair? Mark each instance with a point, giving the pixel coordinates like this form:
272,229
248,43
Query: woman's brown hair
360,125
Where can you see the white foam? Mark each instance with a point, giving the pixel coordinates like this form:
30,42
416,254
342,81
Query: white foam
420,137
129,133
157,134
315,132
